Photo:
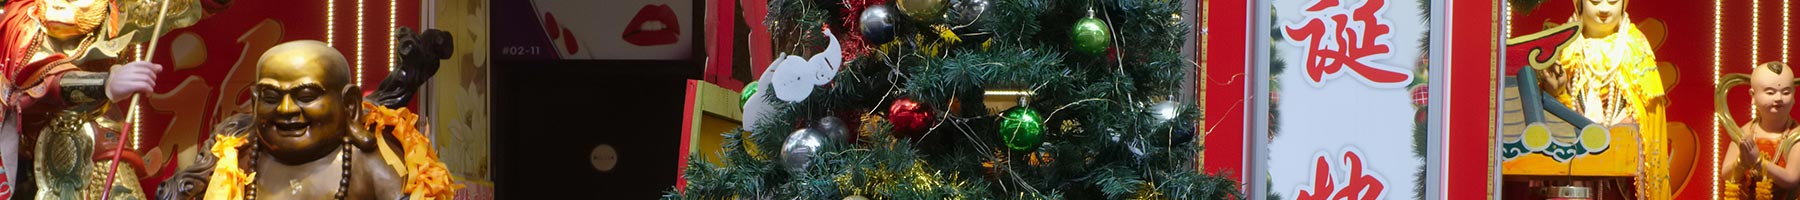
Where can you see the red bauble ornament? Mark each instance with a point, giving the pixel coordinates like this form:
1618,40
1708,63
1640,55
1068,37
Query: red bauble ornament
910,118
1421,95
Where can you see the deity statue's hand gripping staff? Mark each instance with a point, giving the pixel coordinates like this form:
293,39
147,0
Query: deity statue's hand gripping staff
132,115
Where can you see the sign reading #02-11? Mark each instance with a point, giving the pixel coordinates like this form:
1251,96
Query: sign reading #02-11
596,30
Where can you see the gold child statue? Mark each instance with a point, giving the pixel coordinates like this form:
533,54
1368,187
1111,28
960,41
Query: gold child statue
1765,144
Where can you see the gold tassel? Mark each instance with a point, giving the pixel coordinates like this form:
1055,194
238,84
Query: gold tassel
1732,190
1765,189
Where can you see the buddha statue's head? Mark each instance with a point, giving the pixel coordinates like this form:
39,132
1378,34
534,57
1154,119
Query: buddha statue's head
1600,18
65,19
304,101
1772,89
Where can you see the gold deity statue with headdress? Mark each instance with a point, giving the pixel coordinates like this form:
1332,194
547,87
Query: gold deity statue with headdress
62,64
1612,78
1606,77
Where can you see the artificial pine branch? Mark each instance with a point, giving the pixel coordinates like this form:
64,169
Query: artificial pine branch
1100,139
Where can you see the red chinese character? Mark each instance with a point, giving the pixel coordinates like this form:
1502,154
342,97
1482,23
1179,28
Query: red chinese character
1350,40
1360,186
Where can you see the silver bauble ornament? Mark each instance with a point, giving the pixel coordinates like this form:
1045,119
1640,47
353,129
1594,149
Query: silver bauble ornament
833,128
798,150
1182,133
878,24
1165,111
967,15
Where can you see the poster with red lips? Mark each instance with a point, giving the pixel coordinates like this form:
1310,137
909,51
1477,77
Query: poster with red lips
595,30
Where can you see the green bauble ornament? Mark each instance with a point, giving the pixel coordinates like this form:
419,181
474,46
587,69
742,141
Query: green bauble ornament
749,90
924,10
1021,128
1091,36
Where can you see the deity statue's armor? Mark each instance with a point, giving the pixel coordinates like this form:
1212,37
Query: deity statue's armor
53,90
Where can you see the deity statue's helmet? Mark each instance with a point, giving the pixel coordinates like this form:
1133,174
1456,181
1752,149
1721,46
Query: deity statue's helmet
1772,89
65,19
1600,18
304,101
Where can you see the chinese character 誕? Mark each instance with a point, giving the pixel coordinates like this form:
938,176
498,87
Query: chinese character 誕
1354,37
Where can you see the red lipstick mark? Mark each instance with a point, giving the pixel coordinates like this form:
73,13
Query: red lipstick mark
570,43
668,34
556,31
550,26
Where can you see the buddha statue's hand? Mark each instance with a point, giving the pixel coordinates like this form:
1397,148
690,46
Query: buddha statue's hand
131,78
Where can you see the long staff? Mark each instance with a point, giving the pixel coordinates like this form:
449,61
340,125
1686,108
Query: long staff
132,115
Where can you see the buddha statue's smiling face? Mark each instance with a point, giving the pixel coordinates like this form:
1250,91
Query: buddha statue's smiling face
1600,18
303,100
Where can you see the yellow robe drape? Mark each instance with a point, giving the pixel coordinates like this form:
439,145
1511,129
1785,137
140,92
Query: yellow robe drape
1614,77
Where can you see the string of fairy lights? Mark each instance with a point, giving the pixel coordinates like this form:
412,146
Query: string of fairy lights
359,42
391,9
331,19
1715,80
361,18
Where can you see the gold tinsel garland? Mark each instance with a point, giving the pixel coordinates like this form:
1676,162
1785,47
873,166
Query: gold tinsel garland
427,177
1764,188
874,181
879,180
1148,191
1731,191
1734,190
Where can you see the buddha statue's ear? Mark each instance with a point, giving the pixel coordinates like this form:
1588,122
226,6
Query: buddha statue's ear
352,100
361,136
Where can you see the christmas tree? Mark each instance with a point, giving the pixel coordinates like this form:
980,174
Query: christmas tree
909,112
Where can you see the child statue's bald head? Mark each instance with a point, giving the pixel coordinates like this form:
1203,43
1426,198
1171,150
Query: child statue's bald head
1772,88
